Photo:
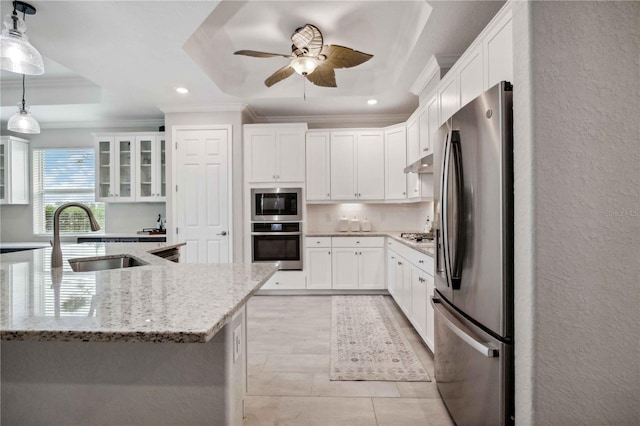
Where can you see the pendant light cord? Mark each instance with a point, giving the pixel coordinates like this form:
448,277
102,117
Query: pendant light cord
23,90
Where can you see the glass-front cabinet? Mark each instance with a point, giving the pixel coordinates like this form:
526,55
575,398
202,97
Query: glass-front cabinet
130,167
151,168
14,170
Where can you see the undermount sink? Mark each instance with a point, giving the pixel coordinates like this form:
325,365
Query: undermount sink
117,261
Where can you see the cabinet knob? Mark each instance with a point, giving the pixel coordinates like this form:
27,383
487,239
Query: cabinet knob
404,193
357,242
317,242
355,195
328,195
329,252
359,195
420,261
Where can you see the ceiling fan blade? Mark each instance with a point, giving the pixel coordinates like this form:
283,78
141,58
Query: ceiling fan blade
323,75
256,54
279,75
308,39
344,57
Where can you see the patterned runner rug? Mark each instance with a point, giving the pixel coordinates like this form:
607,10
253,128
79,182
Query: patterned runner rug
368,344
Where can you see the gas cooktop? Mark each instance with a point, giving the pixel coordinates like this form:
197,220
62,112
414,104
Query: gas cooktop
417,236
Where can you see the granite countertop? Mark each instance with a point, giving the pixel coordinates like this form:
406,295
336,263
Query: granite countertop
427,248
159,302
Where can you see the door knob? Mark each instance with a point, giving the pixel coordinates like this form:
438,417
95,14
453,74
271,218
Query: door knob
223,233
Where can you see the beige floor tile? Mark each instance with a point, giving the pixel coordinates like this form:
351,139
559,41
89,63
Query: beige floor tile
312,347
411,412
255,346
285,384
322,386
300,363
255,362
418,389
308,411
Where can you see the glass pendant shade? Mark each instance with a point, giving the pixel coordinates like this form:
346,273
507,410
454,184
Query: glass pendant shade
23,122
16,53
304,65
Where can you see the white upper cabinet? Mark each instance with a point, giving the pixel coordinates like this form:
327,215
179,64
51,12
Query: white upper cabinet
115,168
357,165
424,131
448,97
413,139
395,140
151,168
318,166
498,48
14,170
471,75
275,153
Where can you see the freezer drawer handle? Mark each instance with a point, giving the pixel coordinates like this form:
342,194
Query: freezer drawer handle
461,331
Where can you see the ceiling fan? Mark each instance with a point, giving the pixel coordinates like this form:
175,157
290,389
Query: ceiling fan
311,58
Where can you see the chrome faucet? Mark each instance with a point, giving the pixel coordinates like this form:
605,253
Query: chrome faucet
56,254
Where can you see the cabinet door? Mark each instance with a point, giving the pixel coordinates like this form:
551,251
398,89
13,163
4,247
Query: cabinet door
370,165
18,176
344,264
371,271
449,98
406,286
4,170
424,131
418,300
146,160
429,332
318,167
432,121
498,47
124,181
391,273
105,163
399,281
471,76
395,157
290,156
262,148
413,140
413,185
343,174
319,268
161,173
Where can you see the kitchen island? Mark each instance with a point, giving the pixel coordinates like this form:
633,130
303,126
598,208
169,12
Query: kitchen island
161,343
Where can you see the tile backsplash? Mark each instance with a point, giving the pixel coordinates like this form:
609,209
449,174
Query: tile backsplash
383,217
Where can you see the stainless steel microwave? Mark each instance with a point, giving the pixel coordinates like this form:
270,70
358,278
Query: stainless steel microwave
276,204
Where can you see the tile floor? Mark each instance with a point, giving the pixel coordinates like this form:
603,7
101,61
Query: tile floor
288,368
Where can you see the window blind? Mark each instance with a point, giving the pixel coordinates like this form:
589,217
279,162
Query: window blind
61,176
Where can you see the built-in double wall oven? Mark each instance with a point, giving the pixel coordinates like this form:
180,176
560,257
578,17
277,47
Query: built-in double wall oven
276,226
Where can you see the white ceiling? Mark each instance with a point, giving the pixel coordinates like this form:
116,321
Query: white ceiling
116,62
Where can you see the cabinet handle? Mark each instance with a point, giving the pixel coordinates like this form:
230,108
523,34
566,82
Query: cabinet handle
329,252
400,263
420,261
355,195
317,242
404,193
357,242
359,195
424,149
328,195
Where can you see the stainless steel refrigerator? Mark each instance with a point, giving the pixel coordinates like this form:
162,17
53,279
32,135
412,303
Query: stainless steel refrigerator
473,302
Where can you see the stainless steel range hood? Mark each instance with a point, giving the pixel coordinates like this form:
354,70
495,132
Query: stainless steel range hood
423,165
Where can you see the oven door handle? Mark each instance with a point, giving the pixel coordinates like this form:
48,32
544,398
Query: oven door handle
276,233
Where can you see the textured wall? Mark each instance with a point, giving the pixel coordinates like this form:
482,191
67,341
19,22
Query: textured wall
577,150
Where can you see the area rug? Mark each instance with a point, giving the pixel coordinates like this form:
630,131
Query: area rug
367,343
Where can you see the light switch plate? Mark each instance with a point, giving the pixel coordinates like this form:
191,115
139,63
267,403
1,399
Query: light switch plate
237,342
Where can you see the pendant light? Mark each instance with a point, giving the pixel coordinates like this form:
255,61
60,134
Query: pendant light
16,53
22,121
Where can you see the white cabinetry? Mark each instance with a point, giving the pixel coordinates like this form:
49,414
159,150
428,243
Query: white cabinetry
115,168
413,139
471,76
275,153
448,97
318,261
286,280
395,141
358,263
498,50
357,165
14,170
318,166
151,181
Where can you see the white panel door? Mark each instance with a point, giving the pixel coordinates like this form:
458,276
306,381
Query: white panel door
343,174
203,195
371,268
395,141
318,167
370,165
344,265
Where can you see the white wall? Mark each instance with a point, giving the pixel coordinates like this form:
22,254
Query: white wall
16,221
383,217
211,118
577,212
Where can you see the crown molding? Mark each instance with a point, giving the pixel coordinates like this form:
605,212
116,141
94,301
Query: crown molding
431,70
334,119
146,123
221,107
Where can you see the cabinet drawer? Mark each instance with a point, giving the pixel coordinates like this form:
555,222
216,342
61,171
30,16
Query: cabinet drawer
422,261
286,280
311,242
358,241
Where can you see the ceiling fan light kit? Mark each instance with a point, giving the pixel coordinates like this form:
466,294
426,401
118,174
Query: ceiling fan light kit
311,58
16,53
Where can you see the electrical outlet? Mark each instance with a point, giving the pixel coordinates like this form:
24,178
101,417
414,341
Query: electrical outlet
237,342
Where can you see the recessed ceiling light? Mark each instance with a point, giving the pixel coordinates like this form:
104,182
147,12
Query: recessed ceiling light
372,101
182,90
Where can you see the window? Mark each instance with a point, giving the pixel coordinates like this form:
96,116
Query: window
61,176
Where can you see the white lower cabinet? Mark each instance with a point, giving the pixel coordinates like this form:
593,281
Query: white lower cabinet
410,282
318,260
286,280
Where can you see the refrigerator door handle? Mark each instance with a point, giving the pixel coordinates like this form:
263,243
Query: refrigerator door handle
455,264
461,331
444,210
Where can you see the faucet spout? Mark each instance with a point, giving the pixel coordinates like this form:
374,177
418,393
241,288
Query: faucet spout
56,253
